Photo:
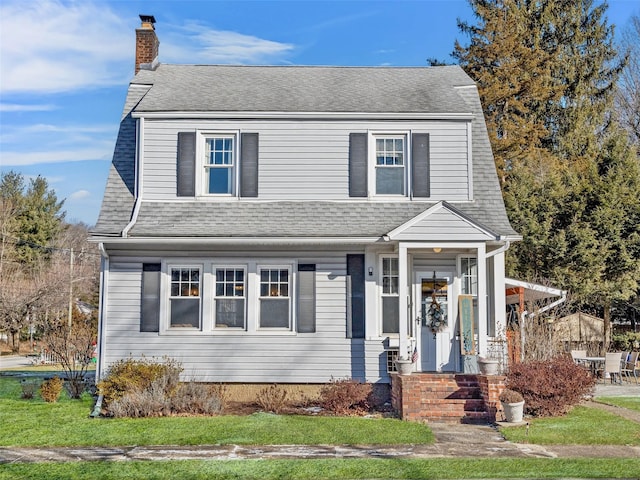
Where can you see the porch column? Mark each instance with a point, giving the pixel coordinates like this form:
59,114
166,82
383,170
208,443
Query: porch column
403,299
482,299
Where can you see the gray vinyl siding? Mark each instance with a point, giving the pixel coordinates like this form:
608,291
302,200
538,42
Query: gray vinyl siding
245,357
308,160
442,225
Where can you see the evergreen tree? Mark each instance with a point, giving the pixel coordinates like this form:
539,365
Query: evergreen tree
546,73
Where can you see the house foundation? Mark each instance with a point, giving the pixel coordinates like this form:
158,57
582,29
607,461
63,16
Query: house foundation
444,397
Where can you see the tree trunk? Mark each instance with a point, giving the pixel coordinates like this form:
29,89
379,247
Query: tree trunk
607,325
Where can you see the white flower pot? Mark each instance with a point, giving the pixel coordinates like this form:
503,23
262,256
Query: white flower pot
404,367
488,366
513,412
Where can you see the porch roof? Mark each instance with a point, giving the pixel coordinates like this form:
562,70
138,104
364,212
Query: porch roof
532,291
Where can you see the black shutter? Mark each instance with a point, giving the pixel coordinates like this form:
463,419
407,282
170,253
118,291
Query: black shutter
306,298
358,165
150,301
249,165
420,165
355,273
186,167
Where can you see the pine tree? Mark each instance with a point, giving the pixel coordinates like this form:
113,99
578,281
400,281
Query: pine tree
546,73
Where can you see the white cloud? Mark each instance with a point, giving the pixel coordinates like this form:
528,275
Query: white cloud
54,46
199,44
15,107
79,195
55,156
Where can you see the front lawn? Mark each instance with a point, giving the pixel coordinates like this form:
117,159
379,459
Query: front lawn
581,426
632,403
330,469
66,423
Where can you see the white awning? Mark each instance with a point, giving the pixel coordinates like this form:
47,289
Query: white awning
532,291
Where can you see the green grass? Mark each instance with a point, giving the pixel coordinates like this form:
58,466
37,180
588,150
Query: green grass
66,423
330,469
581,426
632,403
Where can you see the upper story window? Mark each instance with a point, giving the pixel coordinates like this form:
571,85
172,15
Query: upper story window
184,299
390,171
220,165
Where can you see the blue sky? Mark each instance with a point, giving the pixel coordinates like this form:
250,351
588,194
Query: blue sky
65,65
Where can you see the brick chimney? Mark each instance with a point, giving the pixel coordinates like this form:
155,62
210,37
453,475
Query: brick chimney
147,44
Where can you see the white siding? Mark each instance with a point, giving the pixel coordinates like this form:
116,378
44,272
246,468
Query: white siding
246,357
304,160
442,225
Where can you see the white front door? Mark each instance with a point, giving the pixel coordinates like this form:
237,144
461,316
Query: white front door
432,294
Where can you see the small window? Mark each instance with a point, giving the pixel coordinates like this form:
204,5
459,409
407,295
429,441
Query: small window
275,302
184,300
219,165
230,298
390,295
390,172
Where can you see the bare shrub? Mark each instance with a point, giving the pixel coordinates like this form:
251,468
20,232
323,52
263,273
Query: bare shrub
51,389
345,396
221,392
29,388
195,398
272,399
151,401
550,387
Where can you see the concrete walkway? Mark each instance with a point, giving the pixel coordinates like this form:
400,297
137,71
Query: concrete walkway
452,440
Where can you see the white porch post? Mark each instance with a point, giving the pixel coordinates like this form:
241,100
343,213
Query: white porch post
403,298
482,299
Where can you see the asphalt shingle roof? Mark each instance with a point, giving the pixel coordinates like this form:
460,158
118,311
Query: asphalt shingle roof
198,88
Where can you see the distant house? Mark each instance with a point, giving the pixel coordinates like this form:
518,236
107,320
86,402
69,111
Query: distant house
293,224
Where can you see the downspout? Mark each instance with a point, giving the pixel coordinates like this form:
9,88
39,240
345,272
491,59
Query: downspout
503,248
104,274
139,156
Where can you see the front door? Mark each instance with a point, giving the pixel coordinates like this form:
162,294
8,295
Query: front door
432,290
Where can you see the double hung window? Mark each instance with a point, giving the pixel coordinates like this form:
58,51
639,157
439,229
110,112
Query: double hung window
390,295
230,299
184,299
220,164
390,165
275,300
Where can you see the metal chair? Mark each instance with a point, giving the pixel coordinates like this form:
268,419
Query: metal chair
630,366
612,366
578,355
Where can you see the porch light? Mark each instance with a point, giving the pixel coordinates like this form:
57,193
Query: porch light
371,271
437,249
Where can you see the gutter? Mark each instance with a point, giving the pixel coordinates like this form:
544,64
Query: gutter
502,249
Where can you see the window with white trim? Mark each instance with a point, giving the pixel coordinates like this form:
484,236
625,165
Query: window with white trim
390,165
275,299
184,297
390,295
469,273
219,164
230,297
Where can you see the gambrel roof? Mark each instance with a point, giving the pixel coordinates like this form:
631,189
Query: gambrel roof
377,91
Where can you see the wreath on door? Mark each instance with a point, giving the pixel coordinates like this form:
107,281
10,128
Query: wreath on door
436,318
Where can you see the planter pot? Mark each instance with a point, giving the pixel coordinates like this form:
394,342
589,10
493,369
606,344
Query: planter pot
404,367
488,366
513,412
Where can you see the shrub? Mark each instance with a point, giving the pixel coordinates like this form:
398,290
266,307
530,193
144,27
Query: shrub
625,342
272,399
29,388
127,376
51,389
511,396
151,401
550,387
195,398
345,396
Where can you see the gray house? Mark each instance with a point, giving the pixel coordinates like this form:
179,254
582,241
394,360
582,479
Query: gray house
293,224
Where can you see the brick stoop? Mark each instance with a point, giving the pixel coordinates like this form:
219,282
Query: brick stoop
447,397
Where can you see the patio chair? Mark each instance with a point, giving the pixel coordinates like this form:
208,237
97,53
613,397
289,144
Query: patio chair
612,366
578,355
630,366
